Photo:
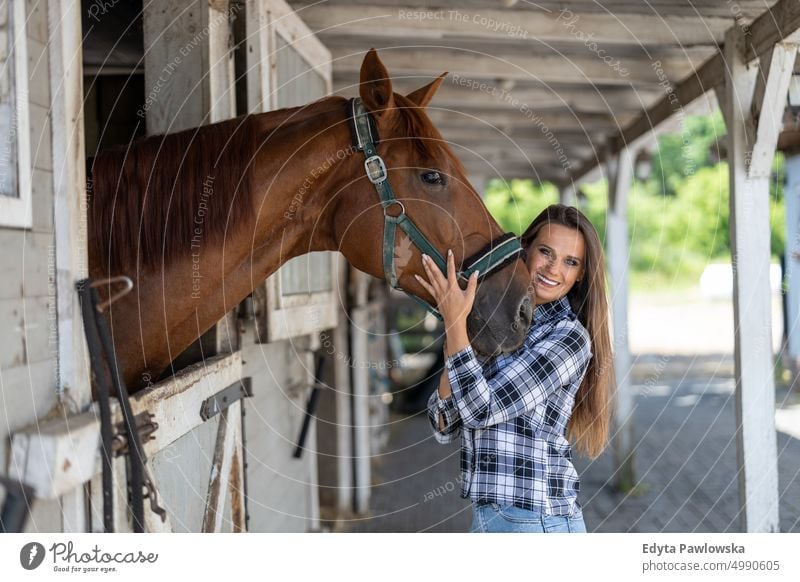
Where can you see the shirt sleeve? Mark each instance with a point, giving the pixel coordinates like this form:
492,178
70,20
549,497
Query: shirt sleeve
524,384
452,422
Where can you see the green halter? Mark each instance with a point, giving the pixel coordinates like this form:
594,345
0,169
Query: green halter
498,253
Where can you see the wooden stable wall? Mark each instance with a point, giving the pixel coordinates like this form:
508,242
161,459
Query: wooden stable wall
28,342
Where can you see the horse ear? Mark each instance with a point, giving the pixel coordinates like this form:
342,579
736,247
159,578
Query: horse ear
376,87
423,95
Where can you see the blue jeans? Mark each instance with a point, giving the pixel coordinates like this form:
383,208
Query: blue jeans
493,517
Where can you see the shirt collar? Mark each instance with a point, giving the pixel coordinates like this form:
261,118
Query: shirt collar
557,309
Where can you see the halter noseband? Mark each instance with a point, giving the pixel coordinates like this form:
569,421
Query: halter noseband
491,258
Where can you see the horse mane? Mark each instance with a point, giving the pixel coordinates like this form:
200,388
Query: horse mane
165,195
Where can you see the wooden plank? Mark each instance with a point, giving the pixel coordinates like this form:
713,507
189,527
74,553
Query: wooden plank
352,21
585,69
236,491
750,246
259,79
16,211
221,465
781,22
58,456
67,159
463,96
769,106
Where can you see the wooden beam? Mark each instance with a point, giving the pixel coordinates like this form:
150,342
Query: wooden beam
781,22
570,25
547,68
769,104
493,96
750,248
69,191
510,120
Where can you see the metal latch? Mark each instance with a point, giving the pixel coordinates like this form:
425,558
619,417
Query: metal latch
146,426
215,404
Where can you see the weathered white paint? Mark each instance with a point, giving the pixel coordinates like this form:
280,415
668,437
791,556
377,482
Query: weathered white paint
16,211
792,259
57,456
750,247
188,67
769,102
620,175
352,21
222,467
298,66
568,195
67,159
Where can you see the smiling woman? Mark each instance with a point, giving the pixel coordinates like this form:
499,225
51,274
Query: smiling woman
555,387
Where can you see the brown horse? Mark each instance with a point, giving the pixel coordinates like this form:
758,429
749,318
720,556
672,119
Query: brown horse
198,218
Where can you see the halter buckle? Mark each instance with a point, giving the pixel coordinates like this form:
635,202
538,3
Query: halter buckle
376,169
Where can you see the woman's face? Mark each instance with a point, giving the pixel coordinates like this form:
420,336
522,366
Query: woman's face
556,259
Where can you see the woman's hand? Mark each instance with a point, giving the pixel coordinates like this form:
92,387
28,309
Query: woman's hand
453,303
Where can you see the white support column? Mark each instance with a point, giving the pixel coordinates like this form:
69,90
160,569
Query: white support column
620,176
478,182
750,153
792,261
69,188
568,195
259,78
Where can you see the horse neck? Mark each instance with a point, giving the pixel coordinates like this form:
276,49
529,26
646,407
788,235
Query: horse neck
293,178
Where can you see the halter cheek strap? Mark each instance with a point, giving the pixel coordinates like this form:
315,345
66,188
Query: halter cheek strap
497,254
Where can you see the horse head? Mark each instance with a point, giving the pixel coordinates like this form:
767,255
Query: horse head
431,199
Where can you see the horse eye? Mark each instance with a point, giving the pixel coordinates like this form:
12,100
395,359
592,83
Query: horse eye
432,177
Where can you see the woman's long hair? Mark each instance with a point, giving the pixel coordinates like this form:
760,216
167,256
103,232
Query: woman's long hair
589,424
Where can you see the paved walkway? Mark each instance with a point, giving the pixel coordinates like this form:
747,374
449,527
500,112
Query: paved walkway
685,462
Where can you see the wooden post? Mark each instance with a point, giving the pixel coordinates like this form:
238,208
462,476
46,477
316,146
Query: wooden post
344,397
69,189
568,194
792,262
620,175
751,147
361,418
478,182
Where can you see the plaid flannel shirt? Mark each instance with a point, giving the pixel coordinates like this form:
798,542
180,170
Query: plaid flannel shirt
511,412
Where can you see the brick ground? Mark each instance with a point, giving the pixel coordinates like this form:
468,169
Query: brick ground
685,463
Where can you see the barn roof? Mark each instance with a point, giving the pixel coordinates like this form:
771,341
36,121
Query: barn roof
542,89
